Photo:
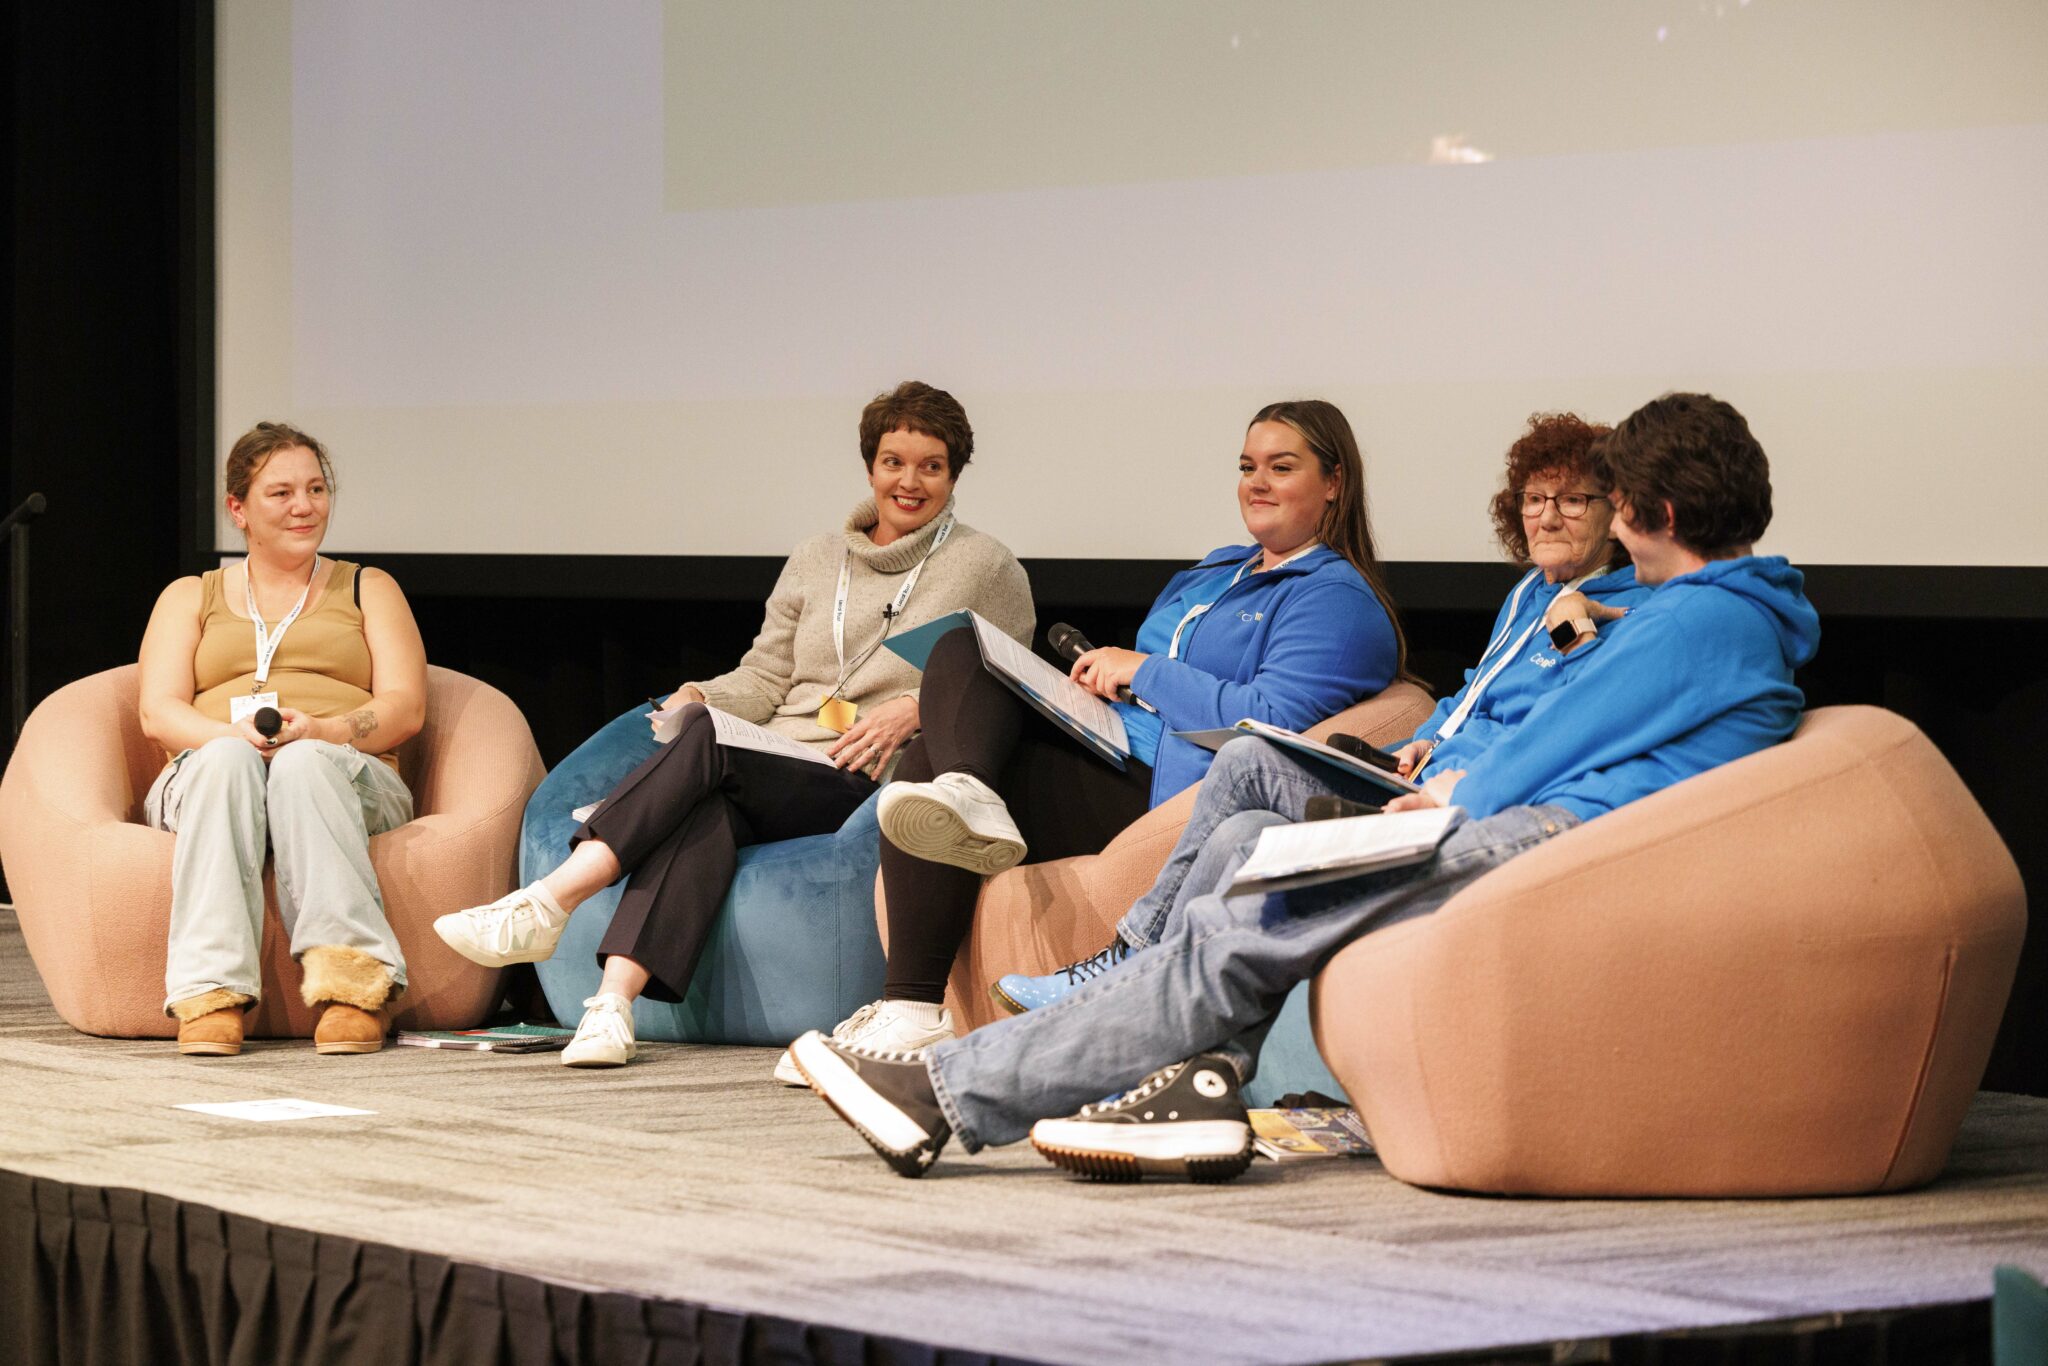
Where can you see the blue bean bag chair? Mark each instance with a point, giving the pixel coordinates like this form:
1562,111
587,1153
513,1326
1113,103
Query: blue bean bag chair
795,946
1290,1064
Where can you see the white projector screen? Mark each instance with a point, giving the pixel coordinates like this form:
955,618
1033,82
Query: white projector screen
615,277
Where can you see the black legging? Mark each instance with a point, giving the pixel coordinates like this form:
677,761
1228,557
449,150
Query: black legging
677,824
1064,800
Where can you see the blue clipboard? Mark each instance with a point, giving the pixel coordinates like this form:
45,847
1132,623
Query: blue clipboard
915,647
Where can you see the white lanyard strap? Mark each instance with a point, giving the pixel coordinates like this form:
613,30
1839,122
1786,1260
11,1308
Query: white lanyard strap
1479,684
267,641
895,608
1173,646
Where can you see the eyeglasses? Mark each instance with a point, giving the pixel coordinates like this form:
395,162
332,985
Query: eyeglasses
1569,505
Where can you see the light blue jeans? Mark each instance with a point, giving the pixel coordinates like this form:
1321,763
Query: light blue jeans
1248,775
1219,973
315,805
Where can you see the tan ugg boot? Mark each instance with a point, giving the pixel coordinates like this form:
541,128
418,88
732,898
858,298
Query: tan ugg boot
351,988
210,1024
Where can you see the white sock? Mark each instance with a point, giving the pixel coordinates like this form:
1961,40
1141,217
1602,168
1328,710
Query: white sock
923,1014
551,907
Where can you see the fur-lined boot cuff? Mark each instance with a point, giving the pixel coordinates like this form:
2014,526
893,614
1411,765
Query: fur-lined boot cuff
350,976
205,1003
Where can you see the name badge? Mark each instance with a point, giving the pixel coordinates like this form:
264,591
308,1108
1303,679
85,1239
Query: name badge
241,709
837,715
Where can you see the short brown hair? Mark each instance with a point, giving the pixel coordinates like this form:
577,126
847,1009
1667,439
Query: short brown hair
1555,443
1696,452
914,406
258,444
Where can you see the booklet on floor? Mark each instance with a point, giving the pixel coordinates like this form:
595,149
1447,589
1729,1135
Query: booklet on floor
1393,783
1285,1135
1305,854
1047,690
518,1038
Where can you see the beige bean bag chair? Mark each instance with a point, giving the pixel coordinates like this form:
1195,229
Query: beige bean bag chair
92,885
1782,977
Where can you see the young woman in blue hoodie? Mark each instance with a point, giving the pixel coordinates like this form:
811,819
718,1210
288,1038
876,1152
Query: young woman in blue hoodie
1291,628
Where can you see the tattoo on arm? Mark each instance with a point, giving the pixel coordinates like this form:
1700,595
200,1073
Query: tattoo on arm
361,723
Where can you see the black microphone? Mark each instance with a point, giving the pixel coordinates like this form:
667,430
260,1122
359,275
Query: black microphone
1067,641
268,722
1069,644
1365,753
1333,808
31,508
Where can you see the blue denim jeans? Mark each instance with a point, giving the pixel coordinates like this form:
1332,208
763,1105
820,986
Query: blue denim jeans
1220,972
1248,775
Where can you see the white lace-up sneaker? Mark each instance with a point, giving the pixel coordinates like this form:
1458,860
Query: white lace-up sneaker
605,1037
522,927
886,1025
955,819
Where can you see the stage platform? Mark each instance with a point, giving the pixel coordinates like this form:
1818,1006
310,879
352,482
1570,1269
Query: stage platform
691,1182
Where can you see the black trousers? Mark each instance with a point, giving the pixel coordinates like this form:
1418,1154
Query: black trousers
677,824
1064,800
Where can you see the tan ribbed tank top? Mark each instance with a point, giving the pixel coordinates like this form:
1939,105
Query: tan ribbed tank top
322,667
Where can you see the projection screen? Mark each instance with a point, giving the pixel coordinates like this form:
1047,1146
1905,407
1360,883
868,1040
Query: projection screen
615,277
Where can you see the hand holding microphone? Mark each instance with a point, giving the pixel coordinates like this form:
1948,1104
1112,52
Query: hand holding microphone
1106,671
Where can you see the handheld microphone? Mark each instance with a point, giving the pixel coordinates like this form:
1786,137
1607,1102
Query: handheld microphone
1069,644
1334,808
268,722
1365,753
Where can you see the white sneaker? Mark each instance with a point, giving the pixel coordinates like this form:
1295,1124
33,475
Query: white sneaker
955,819
878,1024
605,1037
522,927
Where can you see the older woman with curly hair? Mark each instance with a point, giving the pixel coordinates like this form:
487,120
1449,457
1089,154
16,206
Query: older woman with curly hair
1552,514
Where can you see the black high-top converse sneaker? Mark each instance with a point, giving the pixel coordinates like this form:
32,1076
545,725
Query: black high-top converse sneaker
1184,1120
884,1094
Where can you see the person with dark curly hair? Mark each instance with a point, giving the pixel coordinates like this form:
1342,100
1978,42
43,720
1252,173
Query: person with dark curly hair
1552,515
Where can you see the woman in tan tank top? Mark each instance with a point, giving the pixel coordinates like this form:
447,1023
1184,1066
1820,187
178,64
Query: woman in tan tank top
280,689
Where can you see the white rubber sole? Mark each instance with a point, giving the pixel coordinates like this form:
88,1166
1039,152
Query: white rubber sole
786,1071
887,1129
1200,1150
932,830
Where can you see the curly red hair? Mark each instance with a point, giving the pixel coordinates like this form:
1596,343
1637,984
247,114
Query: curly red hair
1555,443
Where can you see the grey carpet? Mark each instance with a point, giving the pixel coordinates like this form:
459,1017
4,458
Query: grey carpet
690,1176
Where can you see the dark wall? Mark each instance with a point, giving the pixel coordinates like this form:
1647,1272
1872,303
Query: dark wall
109,374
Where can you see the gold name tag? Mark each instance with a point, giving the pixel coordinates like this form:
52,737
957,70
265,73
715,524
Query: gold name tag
837,715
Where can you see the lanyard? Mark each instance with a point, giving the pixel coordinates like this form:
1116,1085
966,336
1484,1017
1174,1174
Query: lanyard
267,643
1173,646
1479,684
895,608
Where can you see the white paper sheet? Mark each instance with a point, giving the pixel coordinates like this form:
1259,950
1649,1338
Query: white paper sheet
1084,708
1324,851
269,1110
738,734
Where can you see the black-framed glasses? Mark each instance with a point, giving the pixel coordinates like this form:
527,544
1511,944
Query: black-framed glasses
1571,506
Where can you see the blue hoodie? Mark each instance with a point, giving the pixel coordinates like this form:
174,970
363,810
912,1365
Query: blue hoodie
1698,675
1289,646
1505,701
